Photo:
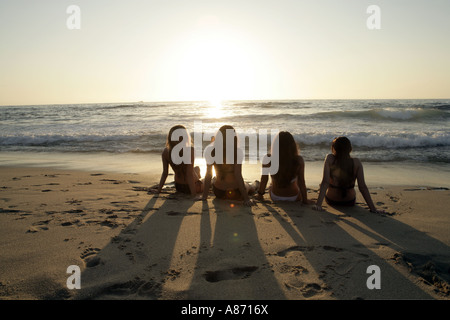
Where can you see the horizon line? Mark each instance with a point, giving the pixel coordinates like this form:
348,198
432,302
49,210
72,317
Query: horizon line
208,101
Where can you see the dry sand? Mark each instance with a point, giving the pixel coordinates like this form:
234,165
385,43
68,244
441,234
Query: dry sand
133,245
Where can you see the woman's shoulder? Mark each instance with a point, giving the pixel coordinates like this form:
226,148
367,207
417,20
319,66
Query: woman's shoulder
357,162
165,155
330,157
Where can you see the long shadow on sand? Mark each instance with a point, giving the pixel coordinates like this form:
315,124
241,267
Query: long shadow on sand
137,263
232,264
340,245
180,249
421,254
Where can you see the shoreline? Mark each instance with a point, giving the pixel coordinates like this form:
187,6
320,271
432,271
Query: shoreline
434,175
133,245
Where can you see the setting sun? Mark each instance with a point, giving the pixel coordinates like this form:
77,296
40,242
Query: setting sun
214,63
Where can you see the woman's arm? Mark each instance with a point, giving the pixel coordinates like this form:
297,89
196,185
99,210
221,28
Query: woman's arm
165,173
239,178
264,180
363,187
190,174
241,184
190,179
324,184
208,177
262,186
301,181
240,181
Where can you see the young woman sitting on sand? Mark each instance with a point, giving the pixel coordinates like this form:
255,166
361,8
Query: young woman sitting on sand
339,175
187,177
288,183
228,183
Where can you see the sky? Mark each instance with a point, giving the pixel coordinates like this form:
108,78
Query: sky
189,50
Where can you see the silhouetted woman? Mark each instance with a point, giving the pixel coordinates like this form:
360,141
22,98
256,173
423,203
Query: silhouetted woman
187,178
228,183
288,183
339,175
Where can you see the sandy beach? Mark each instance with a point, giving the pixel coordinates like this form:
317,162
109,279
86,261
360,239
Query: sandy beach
92,92
130,244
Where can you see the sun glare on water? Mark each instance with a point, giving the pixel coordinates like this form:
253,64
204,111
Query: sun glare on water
216,109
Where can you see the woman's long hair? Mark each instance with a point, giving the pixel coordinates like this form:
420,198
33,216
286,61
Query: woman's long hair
223,132
342,167
288,158
170,144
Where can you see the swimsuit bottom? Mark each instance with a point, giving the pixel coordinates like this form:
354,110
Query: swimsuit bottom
229,194
343,189
348,203
182,187
274,197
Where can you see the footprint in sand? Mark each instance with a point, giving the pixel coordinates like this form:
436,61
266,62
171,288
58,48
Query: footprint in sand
132,287
41,225
74,201
113,181
133,181
393,198
38,226
90,258
295,270
311,289
308,290
172,274
9,210
284,252
330,248
174,213
230,274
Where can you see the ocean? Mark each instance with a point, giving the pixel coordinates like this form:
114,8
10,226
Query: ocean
414,131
